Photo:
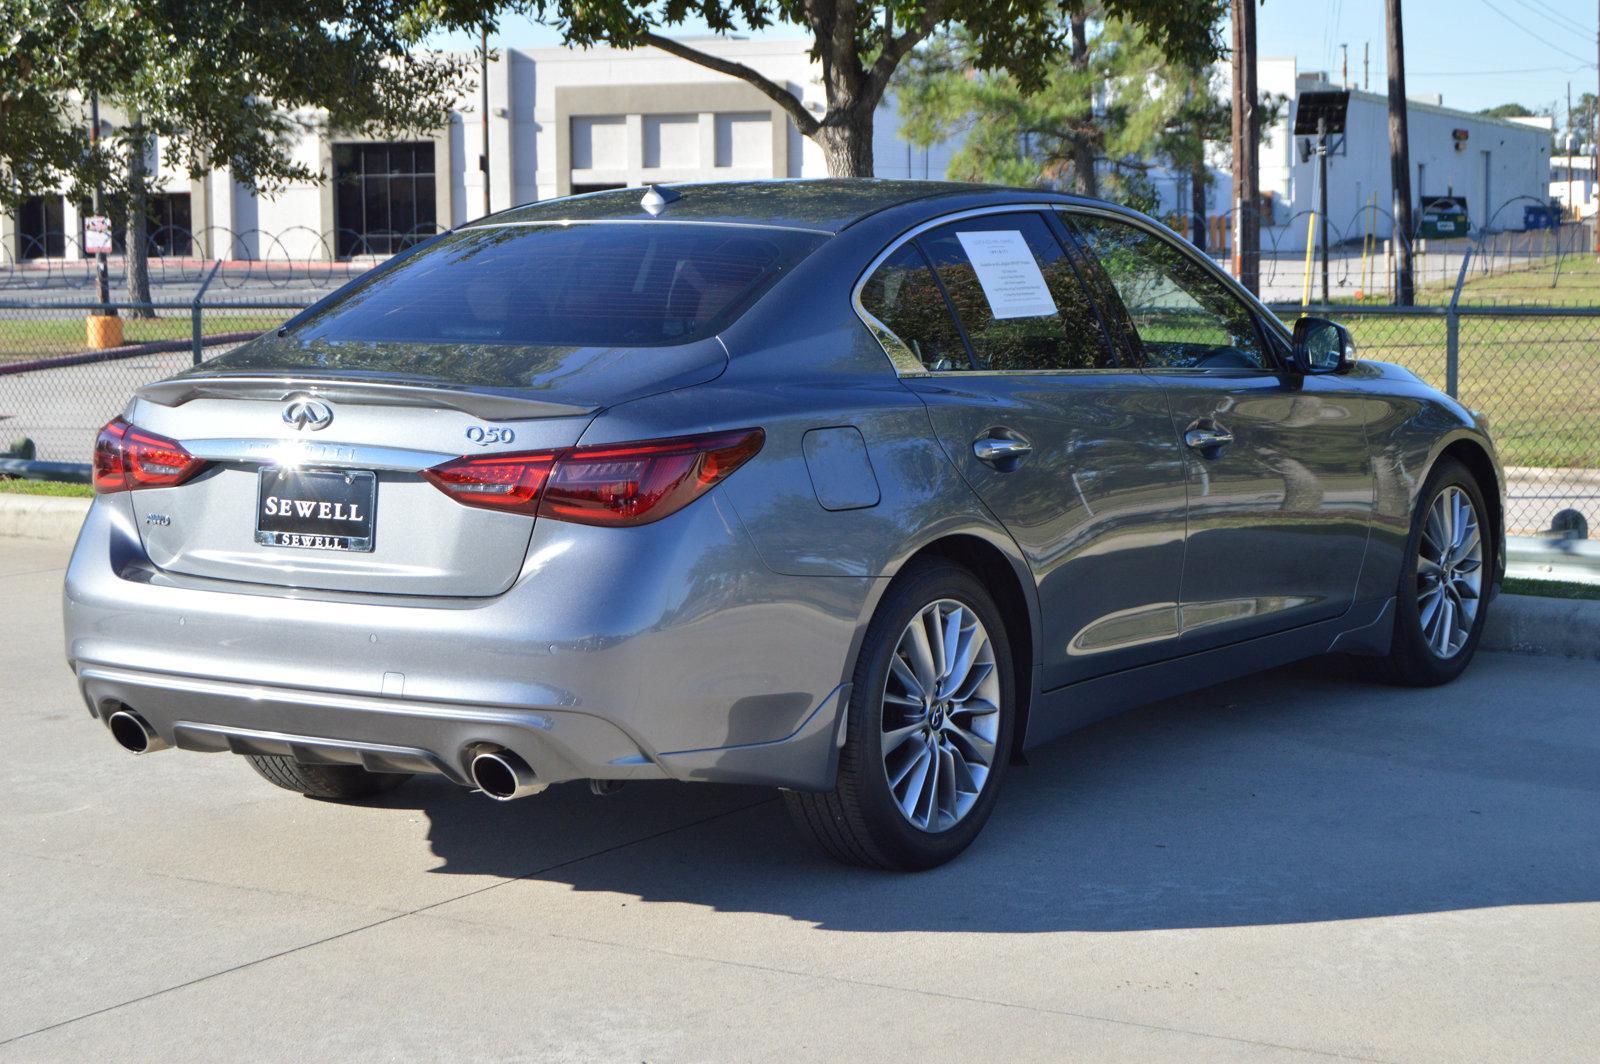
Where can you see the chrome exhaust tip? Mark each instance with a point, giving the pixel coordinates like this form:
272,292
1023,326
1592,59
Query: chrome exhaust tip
504,776
133,733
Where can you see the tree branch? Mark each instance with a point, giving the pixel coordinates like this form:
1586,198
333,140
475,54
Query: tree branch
895,49
803,119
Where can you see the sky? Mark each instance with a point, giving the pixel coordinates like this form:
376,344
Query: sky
1476,53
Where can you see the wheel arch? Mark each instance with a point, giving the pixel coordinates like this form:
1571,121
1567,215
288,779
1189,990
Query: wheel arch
1471,453
1001,577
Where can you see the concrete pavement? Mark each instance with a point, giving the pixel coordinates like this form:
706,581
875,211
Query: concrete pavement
1296,866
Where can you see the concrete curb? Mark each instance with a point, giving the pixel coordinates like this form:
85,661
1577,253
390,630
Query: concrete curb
50,517
1545,627
1519,624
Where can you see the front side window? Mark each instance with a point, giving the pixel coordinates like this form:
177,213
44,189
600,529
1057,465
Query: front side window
1017,295
1184,317
902,294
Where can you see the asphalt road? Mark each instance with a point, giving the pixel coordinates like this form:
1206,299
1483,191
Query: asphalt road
1297,866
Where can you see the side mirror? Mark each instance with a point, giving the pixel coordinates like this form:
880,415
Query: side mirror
1321,346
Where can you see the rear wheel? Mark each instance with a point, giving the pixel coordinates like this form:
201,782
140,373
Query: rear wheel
1441,603
324,781
929,734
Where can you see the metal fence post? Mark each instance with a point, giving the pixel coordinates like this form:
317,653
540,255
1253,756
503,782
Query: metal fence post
1452,329
194,313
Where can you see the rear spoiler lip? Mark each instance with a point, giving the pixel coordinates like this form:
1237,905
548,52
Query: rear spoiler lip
488,405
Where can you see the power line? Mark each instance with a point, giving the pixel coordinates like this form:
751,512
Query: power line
1530,33
1552,16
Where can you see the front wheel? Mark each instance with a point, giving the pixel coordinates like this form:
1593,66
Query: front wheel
1442,600
929,734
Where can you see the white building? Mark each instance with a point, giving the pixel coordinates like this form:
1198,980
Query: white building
1572,184
560,121
1497,165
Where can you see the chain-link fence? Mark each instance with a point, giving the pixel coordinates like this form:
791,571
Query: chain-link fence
58,385
1535,371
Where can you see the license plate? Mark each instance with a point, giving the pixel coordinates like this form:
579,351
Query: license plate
319,509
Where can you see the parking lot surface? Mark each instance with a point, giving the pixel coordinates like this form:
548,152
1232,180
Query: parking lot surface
1296,866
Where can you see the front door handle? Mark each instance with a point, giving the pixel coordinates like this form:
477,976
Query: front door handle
1002,452
1209,439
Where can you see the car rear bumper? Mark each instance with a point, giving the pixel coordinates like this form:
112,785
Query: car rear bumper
615,655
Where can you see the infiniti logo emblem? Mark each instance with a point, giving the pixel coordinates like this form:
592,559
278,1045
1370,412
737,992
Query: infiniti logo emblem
308,414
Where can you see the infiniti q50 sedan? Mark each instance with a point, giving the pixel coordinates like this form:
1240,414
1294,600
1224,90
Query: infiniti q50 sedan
852,488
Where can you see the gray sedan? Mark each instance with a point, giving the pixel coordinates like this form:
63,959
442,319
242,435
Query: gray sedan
853,488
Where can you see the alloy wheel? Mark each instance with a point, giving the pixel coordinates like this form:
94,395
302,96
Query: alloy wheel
1449,572
941,715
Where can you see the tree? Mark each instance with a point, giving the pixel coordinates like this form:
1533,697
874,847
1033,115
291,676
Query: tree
1506,110
214,82
859,45
1114,103
1580,119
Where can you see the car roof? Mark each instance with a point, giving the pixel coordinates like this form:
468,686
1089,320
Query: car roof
826,205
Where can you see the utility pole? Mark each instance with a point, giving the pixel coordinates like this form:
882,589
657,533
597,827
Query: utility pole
1594,146
1246,138
1366,50
1322,199
1344,69
1399,156
102,276
483,106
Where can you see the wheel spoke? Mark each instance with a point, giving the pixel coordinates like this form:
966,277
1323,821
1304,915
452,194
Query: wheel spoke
908,679
895,739
982,749
920,654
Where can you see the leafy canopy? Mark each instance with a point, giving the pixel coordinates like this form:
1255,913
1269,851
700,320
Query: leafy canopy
225,83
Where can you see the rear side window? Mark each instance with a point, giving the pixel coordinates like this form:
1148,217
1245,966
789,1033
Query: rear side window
624,284
1016,294
903,295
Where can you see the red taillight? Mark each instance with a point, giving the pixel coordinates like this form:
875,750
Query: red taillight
508,482
110,472
611,484
128,457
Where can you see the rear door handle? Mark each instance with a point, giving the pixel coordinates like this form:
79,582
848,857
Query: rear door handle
1209,440
1002,452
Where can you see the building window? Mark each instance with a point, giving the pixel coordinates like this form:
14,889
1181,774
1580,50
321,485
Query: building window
41,229
383,197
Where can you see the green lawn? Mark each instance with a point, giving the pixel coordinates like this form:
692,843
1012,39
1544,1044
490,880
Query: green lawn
64,334
45,487
1516,585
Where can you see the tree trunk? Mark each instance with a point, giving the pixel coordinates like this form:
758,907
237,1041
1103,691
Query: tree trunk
137,238
1197,199
1083,153
846,140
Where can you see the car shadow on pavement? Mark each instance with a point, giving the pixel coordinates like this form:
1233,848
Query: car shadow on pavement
1305,794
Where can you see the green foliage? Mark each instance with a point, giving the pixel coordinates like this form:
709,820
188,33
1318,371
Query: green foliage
1115,98
222,82
1506,110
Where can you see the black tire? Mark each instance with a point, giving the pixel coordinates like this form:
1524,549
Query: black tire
1410,661
859,821
324,781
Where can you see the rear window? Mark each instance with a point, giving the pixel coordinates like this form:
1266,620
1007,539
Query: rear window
606,284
